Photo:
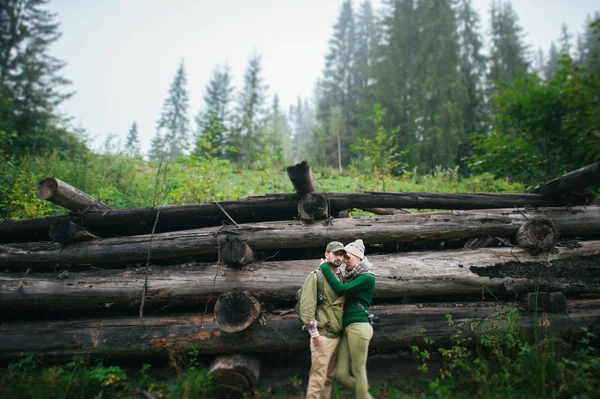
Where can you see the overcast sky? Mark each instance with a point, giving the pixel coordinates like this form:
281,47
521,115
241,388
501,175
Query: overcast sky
122,55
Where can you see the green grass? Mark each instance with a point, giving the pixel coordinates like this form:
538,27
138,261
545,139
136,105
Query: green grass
123,182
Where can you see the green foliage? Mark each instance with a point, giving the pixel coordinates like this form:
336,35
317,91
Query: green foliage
123,182
380,155
494,358
543,128
29,379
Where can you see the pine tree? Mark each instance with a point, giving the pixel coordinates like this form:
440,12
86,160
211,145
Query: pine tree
395,85
30,81
157,150
132,143
589,43
214,119
251,114
565,41
339,84
173,124
440,96
472,69
278,141
508,53
552,63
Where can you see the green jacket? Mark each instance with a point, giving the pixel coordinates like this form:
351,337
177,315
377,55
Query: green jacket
329,313
358,290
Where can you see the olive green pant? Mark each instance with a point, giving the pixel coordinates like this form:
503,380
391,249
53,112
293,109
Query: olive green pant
352,357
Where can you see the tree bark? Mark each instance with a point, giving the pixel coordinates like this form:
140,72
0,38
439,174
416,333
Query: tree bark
417,274
574,181
67,196
411,228
302,178
125,222
401,326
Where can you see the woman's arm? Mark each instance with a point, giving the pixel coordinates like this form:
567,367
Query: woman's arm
352,287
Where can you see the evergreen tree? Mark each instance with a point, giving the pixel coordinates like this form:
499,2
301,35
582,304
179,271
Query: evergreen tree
472,68
565,41
395,84
249,134
173,124
30,81
589,47
132,143
157,150
277,136
339,83
552,63
214,119
508,54
440,95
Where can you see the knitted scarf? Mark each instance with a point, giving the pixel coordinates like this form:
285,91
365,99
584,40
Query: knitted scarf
364,266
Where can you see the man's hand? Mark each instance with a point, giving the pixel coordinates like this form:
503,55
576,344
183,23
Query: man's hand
317,341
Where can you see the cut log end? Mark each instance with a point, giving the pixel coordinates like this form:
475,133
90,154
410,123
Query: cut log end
235,311
233,376
537,235
313,207
47,188
236,253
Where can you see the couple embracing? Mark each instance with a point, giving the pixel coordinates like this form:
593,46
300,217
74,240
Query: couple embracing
334,309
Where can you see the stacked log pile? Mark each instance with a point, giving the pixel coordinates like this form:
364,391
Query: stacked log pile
223,276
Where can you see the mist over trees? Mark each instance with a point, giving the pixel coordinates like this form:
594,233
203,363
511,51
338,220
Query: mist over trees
444,90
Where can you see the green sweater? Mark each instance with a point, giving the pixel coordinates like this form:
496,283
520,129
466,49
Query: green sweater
358,290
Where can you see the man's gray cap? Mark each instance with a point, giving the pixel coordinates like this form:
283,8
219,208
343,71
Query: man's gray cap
334,246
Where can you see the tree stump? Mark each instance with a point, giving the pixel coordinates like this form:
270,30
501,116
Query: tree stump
313,207
537,235
236,310
67,196
235,252
233,376
302,178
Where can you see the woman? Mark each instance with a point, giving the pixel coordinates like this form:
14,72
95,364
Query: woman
358,291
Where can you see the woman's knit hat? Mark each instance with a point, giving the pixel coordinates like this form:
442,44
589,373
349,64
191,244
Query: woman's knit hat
356,248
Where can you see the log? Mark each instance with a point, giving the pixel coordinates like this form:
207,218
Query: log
499,271
387,211
125,222
312,207
234,375
574,181
302,178
67,231
236,310
411,228
401,326
537,235
67,196
554,302
236,253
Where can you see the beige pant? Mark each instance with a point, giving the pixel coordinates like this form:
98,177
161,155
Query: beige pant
322,368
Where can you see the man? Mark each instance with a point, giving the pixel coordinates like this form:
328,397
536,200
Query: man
324,323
